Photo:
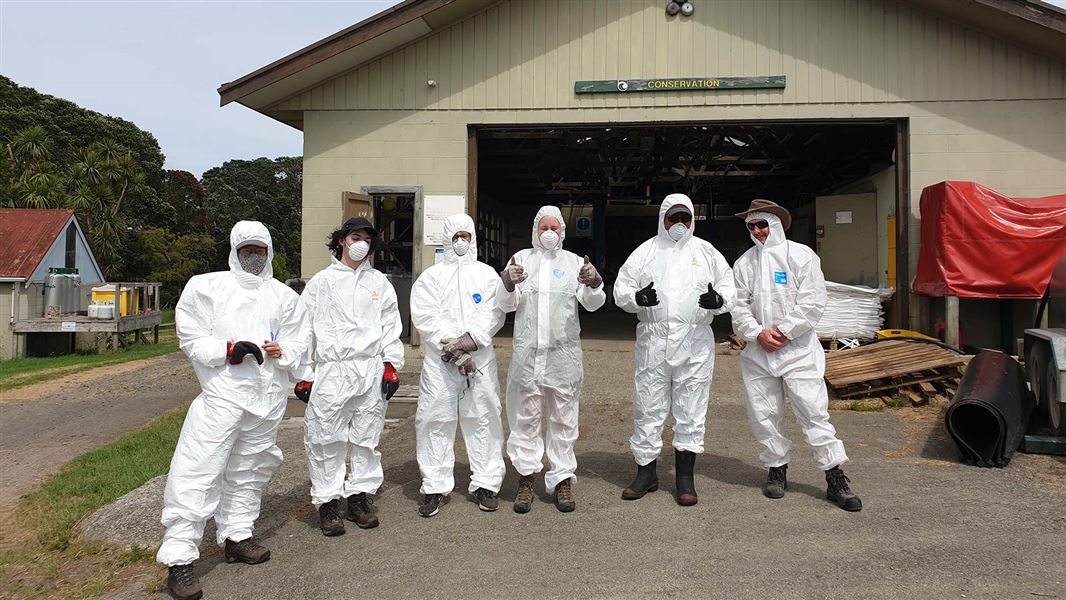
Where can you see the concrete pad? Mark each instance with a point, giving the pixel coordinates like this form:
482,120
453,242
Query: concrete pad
931,527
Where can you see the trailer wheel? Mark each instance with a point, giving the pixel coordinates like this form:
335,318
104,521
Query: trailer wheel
1056,411
1036,370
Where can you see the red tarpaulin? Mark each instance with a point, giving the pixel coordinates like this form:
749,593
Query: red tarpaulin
980,244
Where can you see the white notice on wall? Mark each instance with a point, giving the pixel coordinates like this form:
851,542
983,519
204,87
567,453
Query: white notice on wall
843,217
438,256
68,326
434,210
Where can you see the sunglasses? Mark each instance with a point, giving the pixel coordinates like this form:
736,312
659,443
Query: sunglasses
753,225
681,217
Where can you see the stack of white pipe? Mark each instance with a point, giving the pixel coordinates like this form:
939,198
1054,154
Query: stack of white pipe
852,311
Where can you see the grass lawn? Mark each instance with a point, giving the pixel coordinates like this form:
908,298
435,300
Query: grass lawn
53,560
18,372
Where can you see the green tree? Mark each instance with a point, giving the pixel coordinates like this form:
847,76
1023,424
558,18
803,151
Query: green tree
263,190
171,259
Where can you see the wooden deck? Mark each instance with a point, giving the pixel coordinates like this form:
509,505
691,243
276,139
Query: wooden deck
83,324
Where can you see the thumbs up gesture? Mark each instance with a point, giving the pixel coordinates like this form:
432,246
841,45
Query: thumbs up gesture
588,274
711,300
646,296
513,275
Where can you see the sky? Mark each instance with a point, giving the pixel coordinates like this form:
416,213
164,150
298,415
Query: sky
159,64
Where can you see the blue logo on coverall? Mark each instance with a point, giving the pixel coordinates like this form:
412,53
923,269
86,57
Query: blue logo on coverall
477,298
558,273
781,277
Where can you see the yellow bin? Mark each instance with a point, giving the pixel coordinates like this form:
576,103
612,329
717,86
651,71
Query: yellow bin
106,293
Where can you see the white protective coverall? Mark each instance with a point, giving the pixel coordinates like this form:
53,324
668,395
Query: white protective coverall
449,299
675,345
546,370
780,284
226,452
351,322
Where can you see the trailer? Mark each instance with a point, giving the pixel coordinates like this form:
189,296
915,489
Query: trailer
1045,368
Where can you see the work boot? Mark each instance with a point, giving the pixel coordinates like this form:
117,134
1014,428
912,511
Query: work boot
684,461
246,551
646,481
183,584
330,520
361,511
776,482
486,499
564,496
431,505
523,501
839,492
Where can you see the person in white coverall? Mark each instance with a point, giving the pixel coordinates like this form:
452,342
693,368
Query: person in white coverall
226,324
453,307
351,323
676,283
780,298
544,285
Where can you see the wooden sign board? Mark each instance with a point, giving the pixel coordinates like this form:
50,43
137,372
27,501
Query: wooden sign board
678,84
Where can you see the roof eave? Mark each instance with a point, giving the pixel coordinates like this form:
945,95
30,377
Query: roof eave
386,20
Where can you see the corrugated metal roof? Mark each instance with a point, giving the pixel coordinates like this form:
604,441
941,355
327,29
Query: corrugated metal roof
26,234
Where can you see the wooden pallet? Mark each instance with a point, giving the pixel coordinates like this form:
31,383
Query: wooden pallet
893,368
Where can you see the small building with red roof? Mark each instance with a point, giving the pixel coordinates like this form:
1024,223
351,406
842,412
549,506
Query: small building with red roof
32,241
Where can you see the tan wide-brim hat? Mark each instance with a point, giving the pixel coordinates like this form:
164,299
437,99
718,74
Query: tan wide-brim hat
760,205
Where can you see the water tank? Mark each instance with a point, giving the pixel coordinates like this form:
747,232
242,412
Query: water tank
61,292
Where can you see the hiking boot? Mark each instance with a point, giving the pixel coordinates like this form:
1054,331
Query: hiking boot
839,492
361,511
246,551
776,482
564,496
431,505
684,462
523,501
329,518
646,481
183,584
486,499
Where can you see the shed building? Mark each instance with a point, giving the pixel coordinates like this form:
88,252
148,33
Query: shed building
32,241
840,110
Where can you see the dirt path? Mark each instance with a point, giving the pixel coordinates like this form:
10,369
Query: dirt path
45,425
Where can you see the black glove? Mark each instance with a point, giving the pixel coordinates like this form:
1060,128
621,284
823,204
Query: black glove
239,350
647,296
711,300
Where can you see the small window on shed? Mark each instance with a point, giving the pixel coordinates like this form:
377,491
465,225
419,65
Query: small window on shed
72,245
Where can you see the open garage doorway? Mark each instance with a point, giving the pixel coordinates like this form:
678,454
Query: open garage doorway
839,179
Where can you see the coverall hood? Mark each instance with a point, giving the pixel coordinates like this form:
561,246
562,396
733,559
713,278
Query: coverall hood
669,202
548,211
453,225
245,232
777,231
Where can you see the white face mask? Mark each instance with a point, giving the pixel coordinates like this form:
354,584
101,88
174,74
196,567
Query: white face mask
549,239
358,250
677,231
461,246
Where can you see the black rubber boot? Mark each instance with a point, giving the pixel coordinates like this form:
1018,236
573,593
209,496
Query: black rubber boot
776,482
684,462
838,490
646,481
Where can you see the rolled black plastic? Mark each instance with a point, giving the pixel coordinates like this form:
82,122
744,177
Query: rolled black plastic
991,410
